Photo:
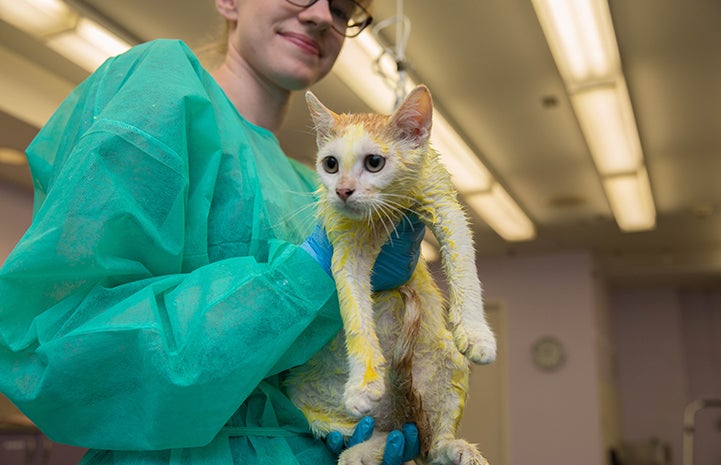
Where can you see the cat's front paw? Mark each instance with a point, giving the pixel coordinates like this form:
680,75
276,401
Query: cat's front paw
361,397
478,344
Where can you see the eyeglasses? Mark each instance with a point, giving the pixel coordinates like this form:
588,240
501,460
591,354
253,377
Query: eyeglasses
349,16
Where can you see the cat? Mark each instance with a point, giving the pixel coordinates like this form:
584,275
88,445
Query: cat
400,356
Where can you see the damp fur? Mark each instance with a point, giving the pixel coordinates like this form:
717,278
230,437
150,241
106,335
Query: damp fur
403,355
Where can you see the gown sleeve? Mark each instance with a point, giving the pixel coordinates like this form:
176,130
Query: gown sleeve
109,339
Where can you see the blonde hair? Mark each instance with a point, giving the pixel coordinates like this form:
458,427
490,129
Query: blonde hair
212,53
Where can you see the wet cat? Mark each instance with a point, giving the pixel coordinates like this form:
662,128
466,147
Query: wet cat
400,357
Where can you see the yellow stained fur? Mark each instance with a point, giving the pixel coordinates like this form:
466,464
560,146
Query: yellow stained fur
337,387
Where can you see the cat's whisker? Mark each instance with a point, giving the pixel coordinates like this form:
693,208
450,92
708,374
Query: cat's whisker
313,194
373,212
402,212
398,211
394,209
401,196
391,207
381,213
398,198
407,220
301,211
397,204
389,212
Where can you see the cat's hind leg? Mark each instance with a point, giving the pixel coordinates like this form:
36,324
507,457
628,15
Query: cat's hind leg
441,374
455,452
444,408
368,452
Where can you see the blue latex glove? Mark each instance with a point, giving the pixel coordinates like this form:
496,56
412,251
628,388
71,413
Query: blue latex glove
395,263
401,446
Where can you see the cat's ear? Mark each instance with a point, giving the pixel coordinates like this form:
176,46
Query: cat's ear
415,115
323,118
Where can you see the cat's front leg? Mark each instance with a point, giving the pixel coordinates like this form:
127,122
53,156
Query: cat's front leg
366,381
475,339
472,335
367,365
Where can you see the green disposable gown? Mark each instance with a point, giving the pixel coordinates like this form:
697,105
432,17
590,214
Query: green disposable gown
150,310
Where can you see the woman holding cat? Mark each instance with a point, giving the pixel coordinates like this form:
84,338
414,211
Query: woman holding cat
159,296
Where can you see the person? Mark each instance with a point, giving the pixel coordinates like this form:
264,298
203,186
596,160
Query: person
170,276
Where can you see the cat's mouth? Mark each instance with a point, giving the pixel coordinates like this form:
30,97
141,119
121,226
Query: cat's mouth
353,212
350,209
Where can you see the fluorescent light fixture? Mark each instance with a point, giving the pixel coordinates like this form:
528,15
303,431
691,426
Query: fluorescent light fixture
631,200
606,119
10,156
467,171
581,38
358,66
81,40
38,17
88,45
28,91
502,214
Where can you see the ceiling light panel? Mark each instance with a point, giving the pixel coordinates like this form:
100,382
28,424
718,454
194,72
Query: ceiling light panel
38,17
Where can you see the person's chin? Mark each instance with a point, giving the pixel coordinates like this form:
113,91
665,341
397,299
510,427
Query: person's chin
302,77
298,82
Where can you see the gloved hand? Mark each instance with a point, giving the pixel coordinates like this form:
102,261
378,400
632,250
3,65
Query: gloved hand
395,263
401,446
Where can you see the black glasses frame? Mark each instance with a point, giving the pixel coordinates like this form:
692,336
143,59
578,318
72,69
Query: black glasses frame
352,29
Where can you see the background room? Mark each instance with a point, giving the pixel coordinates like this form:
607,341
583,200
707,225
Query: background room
585,143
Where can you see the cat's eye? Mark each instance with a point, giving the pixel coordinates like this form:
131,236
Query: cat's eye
330,165
374,163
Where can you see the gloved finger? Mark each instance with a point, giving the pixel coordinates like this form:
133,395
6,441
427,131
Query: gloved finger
318,247
334,442
393,454
363,431
412,445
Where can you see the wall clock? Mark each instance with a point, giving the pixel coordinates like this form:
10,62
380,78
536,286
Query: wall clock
548,353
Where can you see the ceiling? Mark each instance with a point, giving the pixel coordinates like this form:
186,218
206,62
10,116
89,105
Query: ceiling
492,75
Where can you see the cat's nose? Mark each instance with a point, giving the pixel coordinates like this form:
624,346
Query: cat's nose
344,193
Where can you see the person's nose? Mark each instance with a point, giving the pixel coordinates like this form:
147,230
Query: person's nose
318,14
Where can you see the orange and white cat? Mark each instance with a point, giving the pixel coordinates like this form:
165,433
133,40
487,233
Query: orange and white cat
400,356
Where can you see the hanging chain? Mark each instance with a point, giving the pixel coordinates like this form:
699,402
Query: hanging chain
403,30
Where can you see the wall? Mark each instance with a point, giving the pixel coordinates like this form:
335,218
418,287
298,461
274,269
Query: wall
485,417
651,376
701,332
669,354
636,358
606,356
554,418
16,212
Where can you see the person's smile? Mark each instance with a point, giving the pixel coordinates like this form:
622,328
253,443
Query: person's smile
303,42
